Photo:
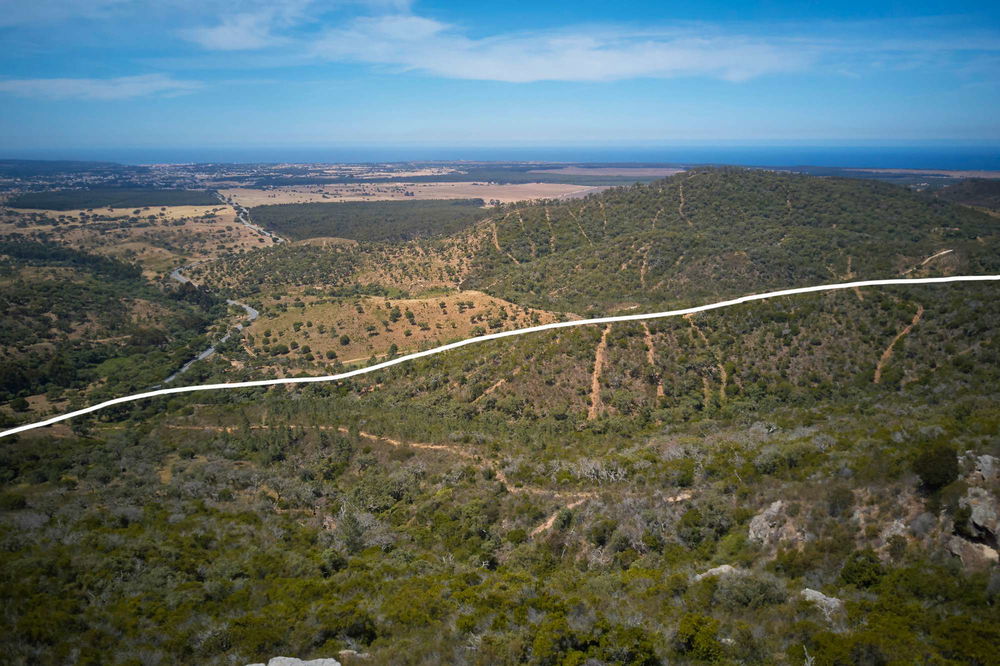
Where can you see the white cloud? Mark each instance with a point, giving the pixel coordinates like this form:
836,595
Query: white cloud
235,33
123,87
262,24
414,43
22,12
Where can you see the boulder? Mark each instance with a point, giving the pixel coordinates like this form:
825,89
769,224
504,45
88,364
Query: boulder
766,526
987,469
974,556
829,605
985,513
720,570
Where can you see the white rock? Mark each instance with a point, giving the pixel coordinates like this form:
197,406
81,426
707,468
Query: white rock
988,468
766,526
985,512
292,661
829,605
716,571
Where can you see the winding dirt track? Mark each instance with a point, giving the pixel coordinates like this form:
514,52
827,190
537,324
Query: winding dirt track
887,354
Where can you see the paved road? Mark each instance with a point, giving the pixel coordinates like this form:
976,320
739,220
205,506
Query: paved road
243,217
252,314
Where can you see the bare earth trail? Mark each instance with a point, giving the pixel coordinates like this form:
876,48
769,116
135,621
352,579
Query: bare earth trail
496,244
552,231
651,358
551,520
680,206
887,354
928,260
580,226
600,358
576,497
723,375
496,336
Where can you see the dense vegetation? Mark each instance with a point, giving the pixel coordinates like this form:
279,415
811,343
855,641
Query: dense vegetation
801,480
270,539
72,319
721,232
370,221
33,168
981,192
112,197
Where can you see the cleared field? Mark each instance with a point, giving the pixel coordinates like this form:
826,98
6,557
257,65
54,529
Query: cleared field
403,191
373,325
157,238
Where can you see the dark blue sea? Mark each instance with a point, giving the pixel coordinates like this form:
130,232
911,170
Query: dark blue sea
937,156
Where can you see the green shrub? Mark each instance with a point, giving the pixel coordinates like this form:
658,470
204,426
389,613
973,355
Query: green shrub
517,535
839,500
697,637
12,502
862,569
600,532
746,590
937,466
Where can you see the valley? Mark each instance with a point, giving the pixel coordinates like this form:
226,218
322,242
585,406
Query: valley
801,477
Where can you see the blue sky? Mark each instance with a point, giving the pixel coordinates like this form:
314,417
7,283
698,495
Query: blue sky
160,73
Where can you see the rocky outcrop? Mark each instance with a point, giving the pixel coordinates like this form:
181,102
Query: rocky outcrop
767,526
292,661
985,514
830,606
974,556
987,469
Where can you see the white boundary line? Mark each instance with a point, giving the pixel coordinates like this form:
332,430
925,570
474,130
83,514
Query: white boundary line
495,336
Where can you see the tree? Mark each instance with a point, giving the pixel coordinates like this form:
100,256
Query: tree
697,635
937,466
352,532
862,568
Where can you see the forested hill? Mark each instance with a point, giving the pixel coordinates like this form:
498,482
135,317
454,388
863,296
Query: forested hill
80,321
979,192
722,232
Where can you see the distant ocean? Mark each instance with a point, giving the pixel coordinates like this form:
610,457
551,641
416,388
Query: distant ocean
938,156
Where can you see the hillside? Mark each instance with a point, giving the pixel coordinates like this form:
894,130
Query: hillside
979,192
704,235
806,479
158,239
81,322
